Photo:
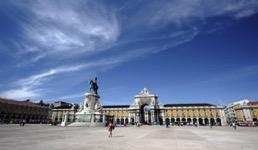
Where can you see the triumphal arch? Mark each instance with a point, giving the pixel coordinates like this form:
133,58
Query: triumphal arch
146,109
141,113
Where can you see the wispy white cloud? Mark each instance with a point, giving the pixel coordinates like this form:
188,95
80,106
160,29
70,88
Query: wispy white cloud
184,11
35,80
70,27
78,96
186,17
245,13
65,29
29,87
85,27
21,93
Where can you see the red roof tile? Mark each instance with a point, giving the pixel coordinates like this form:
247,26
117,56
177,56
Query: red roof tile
253,103
20,103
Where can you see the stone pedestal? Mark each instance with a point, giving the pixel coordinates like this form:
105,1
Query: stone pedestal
90,113
64,122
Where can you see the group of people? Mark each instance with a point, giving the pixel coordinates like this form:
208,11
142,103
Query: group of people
111,126
22,122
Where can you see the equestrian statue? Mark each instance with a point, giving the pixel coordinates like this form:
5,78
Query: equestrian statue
94,86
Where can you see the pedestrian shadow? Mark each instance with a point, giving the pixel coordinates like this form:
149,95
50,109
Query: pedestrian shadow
117,136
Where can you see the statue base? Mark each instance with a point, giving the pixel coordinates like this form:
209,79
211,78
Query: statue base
90,115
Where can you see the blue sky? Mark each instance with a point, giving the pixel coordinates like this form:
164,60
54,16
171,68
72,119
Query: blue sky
183,51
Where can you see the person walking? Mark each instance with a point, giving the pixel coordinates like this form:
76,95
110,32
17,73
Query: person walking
167,123
211,124
138,124
110,128
23,122
234,125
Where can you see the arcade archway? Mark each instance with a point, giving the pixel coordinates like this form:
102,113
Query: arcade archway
212,121
194,121
189,120
218,121
145,114
173,121
200,121
206,121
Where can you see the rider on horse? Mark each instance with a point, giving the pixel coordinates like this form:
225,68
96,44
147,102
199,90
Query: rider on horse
94,86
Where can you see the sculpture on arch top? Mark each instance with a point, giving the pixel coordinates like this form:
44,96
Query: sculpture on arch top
145,97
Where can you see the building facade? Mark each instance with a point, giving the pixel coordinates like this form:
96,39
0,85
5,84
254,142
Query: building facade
244,112
195,113
147,110
253,106
60,109
13,111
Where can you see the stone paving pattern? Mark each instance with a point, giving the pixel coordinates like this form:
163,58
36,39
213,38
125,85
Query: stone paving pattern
45,137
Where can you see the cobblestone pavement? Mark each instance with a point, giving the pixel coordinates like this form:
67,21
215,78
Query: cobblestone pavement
44,137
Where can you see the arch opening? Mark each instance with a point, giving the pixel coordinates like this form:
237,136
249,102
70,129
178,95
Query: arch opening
173,121
145,114
189,120
212,121
218,120
206,121
200,121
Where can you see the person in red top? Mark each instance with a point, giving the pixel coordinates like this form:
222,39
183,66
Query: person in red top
110,128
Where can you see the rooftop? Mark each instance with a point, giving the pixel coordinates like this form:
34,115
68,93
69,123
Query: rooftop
116,106
20,103
188,105
166,105
253,103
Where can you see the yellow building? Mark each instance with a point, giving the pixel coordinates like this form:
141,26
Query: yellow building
253,106
247,112
195,113
13,111
60,109
244,112
154,113
118,112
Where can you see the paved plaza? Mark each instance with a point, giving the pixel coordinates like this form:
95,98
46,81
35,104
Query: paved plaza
42,137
